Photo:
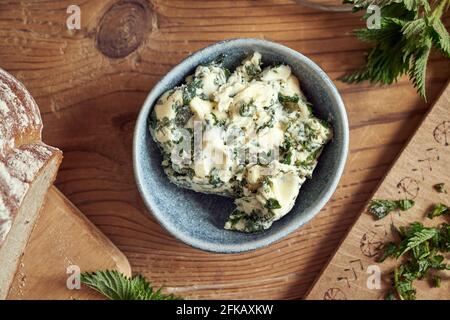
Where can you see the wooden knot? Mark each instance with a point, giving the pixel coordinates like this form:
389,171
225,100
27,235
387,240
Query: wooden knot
123,28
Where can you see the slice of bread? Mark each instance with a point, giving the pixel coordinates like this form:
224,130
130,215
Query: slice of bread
28,168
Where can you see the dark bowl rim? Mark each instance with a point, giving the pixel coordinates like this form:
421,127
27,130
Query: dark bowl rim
141,124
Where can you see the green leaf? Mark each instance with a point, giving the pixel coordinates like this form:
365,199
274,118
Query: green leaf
272,204
115,286
418,72
441,37
414,5
389,250
421,247
437,281
390,296
440,187
419,238
405,204
409,30
381,208
414,28
438,210
285,100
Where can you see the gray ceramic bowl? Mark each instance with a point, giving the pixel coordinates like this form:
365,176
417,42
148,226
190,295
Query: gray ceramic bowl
197,219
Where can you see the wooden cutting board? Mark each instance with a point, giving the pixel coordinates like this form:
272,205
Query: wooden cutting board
424,162
63,237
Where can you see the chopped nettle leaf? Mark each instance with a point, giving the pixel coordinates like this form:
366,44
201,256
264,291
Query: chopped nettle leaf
405,204
390,296
438,210
183,114
285,100
389,250
440,187
272,204
287,159
421,249
247,109
190,90
437,281
214,180
115,286
252,70
381,208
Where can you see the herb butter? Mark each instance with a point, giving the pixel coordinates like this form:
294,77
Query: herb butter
248,134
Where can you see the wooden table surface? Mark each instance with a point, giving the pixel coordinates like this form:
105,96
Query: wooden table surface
91,83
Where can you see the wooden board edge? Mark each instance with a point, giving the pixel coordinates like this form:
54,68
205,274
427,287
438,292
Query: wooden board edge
117,255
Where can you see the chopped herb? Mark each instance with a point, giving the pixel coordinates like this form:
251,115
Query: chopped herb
438,210
325,123
287,158
183,114
437,281
390,296
389,250
264,158
309,105
272,204
421,248
217,122
253,222
227,73
219,60
214,180
236,216
247,109
268,182
381,208
179,140
405,204
190,90
440,187
285,100
268,124
162,124
252,70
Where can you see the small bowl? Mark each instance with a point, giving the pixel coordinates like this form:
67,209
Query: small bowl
198,219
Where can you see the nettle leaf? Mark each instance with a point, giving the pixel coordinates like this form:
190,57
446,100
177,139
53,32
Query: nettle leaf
438,210
380,208
419,238
420,248
115,286
414,5
441,36
414,28
110,284
418,72
409,30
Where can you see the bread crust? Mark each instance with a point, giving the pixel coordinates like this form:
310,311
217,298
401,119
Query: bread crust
23,155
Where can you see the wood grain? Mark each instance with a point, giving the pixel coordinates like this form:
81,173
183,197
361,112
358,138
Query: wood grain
423,163
90,103
51,250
